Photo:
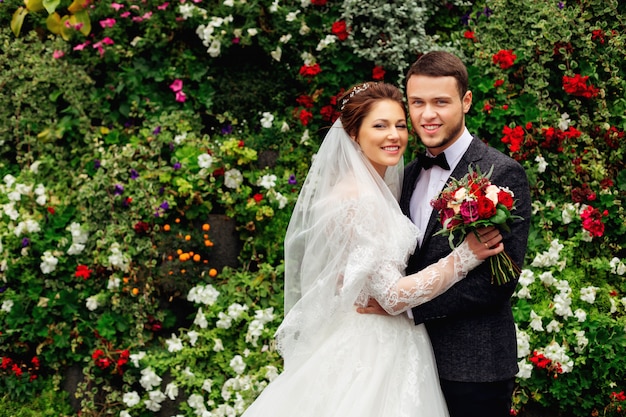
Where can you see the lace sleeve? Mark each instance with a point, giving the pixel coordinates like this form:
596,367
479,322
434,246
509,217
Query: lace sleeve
407,292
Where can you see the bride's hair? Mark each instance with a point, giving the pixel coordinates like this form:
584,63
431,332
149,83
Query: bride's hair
357,102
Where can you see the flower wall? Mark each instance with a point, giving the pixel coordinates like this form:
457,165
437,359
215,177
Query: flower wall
130,129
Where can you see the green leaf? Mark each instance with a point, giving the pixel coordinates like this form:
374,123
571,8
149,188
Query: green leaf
51,5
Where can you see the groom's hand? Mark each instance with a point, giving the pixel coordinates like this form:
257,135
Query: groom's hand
372,308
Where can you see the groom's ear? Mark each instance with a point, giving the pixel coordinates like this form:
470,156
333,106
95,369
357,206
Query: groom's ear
467,101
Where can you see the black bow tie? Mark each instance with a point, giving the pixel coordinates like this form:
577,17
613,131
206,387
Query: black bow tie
427,162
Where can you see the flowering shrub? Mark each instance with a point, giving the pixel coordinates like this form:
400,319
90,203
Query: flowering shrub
555,104
123,138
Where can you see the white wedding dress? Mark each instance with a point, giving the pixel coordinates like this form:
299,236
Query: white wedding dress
348,241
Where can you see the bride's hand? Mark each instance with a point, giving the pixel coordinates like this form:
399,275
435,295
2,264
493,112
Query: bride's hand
372,307
486,242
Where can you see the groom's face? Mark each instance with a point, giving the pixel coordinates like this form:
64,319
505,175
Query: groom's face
437,111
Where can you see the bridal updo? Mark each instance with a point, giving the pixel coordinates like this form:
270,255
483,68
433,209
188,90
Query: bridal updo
357,102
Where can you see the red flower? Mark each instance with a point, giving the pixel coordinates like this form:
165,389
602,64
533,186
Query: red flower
592,221
486,208
328,113
468,34
17,370
378,73
241,144
498,83
487,107
540,360
597,35
310,70
505,199
504,58
96,354
83,271
513,137
258,197
141,227
339,29
51,210
305,117
577,86
6,362
318,2
305,100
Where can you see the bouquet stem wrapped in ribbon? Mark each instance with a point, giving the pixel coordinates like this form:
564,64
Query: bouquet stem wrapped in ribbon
473,202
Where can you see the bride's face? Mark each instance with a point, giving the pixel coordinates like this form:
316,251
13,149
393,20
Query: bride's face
383,135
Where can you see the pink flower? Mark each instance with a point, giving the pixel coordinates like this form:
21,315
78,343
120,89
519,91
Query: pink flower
177,85
181,96
163,6
125,14
81,46
58,54
107,41
469,211
107,23
117,6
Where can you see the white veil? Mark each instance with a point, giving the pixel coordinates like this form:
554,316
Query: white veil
345,224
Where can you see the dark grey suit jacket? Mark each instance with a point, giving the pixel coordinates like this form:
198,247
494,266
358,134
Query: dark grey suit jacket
471,325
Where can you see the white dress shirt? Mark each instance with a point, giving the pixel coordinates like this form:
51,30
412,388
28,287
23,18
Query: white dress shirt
431,181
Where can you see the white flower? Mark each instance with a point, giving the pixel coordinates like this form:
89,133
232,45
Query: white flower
224,322
617,266
207,385
277,54
178,139
541,164
136,357
255,329
125,413
553,327
328,40
193,337
174,344
284,127
92,303
550,257
556,353
131,399
49,262
281,199
588,294
201,320
525,369
271,373
569,213
562,305
7,305
564,122
304,29
580,315
535,322
10,211
523,292
267,119
236,310
285,38
547,278
156,398
233,178
23,189
114,283
196,401
273,7
218,346
188,374
215,48
252,31
527,277
14,196
238,364
9,180
203,294
229,3
305,137
267,181
291,16
117,259
581,341
205,161
171,390
149,379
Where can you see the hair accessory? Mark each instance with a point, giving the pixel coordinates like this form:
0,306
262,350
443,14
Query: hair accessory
356,90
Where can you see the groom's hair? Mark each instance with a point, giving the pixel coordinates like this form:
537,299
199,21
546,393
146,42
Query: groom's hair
441,64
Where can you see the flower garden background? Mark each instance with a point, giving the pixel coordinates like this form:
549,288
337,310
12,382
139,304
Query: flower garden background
138,139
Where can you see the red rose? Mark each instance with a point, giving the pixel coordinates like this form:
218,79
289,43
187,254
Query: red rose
486,208
504,198
378,73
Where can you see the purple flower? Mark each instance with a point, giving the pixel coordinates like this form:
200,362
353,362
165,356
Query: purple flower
161,190
292,179
561,5
177,166
156,130
25,242
96,163
4,287
465,19
119,189
164,205
469,211
226,130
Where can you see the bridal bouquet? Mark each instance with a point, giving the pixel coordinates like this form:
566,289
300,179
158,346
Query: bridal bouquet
473,202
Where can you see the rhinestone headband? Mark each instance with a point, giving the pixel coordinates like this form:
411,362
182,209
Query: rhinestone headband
355,91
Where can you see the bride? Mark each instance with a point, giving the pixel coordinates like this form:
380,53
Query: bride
347,241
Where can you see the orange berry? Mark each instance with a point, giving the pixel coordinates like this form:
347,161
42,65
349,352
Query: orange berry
205,236
179,251
208,243
135,291
170,257
183,257
196,258
212,272
187,237
177,220
125,279
171,273
206,227
167,227
182,271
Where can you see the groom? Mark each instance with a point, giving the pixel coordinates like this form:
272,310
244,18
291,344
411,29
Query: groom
471,325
